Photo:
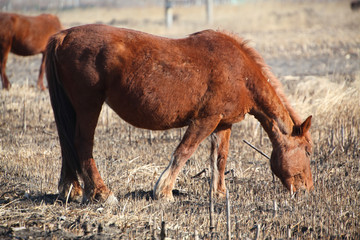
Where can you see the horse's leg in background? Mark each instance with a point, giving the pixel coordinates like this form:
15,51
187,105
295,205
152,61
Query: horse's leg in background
219,151
4,52
197,131
87,116
40,82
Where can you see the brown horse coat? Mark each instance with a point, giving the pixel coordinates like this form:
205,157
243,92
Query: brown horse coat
25,36
207,81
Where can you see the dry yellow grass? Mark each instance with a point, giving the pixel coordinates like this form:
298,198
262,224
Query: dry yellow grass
130,164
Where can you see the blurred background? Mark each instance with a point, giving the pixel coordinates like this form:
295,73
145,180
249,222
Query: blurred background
296,37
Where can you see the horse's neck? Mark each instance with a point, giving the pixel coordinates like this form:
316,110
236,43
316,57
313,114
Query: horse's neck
271,113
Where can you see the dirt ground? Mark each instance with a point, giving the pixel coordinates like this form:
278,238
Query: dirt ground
314,49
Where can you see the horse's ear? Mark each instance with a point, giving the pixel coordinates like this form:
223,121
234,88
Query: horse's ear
305,126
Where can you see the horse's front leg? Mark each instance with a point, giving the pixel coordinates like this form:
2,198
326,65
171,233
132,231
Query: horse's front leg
219,151
197,131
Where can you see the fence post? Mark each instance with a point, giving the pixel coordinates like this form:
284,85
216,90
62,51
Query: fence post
168,13
209,11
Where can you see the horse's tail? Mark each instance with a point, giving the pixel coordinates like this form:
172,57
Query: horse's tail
64,113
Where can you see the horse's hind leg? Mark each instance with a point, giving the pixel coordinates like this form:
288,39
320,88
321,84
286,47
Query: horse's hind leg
40,82
69,184
86,121
197,131
4,51
219,151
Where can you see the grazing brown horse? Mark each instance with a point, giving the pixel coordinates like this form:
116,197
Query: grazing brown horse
207,81
25,36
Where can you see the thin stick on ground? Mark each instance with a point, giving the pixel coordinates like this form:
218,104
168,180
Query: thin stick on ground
262,153
256,149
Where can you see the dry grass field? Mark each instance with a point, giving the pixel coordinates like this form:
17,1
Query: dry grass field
314,49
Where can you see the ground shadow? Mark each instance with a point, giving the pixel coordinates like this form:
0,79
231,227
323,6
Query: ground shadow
148,195
45,198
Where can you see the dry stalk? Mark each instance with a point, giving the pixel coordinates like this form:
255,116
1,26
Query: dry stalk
211,208
199,174
154,228
258,228
68,195
4,108
24,116
7,204
107,120
275,208
129,131
196,235
261,136
150,137
228,215
163,231
289,231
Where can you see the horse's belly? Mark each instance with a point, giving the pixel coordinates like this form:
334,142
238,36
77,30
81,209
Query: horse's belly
150,117
25,50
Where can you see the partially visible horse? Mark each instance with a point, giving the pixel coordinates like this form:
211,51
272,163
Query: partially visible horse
25,36
207,81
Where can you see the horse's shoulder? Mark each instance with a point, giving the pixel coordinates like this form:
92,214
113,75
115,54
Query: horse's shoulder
8,22
206,34
8,17
217,36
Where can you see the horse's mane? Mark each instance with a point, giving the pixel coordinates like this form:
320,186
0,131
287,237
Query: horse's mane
275,83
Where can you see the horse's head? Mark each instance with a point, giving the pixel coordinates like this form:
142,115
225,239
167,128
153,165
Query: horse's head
290,160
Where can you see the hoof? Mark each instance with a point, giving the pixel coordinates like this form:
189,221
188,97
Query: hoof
7,87
76,195
102,195
111,200
221,195
219,192
42,88
163,188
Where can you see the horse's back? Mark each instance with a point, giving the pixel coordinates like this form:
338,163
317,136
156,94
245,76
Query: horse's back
27,35
151,81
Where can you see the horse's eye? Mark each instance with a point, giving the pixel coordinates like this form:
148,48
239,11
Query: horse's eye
308,151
